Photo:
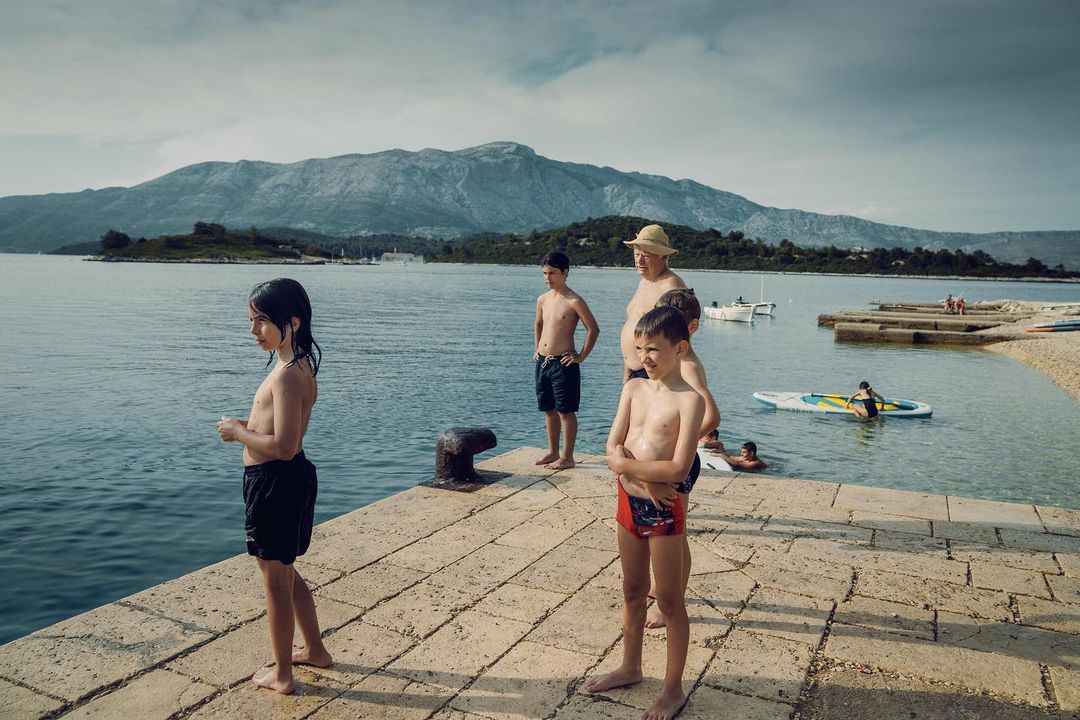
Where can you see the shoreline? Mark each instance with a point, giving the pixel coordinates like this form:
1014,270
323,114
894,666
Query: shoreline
1069,281
1056,355
232,261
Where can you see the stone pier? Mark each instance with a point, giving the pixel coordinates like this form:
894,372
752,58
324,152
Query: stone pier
807,599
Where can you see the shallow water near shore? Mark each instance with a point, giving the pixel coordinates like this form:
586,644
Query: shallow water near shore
114,478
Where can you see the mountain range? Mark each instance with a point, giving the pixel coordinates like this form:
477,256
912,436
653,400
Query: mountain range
500,187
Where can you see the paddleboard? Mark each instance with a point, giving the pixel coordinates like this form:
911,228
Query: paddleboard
712,462
1059,326
824,403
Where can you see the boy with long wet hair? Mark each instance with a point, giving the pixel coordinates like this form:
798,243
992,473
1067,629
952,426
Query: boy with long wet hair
280,483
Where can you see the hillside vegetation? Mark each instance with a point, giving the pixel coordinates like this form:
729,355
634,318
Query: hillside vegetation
600,242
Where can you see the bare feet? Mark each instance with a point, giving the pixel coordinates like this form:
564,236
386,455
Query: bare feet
561,464
620,678
550,457
655,618
666,707
320,659
267,678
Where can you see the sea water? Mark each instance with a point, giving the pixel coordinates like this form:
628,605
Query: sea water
114,479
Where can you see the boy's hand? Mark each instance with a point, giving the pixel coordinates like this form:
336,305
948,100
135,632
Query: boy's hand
662,495
536,355
228,427
570,358
615,460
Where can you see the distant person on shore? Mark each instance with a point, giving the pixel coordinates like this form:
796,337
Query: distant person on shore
693,372
557,371
747,458
279,481
867,406
950,304
651,448
652,248
960,305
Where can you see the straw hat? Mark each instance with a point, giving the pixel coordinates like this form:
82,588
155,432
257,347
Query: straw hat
652,238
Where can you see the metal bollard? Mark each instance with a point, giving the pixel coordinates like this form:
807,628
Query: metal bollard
454,451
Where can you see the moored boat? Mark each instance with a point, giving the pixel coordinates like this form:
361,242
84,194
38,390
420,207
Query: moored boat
734,313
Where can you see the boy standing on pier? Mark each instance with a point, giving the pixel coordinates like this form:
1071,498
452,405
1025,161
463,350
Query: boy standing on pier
558,375
693,372
651,448
279,481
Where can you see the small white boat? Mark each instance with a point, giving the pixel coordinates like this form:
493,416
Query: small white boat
734,313
759,308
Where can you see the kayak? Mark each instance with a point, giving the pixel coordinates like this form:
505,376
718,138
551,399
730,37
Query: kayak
823,403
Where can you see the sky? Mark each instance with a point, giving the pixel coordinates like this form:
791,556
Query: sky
943,114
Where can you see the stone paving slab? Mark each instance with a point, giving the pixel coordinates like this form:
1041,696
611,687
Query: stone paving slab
766,667
1044,646
500,602
892,502
1006,675
1066,688
530,681
19,702
158,695
998,514
886,617
1060,520
991,604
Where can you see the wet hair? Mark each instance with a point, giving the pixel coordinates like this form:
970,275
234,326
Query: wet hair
684,300
281,300
665,321
557,260
714,434
751,446
864,385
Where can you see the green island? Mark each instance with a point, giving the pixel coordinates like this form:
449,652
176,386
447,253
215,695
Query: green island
592,242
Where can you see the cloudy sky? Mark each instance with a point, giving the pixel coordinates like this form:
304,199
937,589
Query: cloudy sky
939,114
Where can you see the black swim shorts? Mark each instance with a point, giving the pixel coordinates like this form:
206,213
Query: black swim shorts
639,373
279,502
558,386
688,484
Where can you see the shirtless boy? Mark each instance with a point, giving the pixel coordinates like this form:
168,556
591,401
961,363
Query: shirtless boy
693,372
279,482
747,458
651,448
558,375
652,248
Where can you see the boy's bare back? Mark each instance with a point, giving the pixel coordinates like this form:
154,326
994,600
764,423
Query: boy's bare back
295,385
559,313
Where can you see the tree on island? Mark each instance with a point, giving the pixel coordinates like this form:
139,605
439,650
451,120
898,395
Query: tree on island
114,239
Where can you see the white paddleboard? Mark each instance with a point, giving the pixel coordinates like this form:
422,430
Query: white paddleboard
712,462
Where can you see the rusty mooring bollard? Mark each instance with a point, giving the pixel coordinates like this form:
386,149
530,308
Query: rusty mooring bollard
454,452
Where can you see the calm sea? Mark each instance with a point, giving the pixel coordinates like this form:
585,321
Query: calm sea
114,479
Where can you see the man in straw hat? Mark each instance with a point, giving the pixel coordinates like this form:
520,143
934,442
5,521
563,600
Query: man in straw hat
651,251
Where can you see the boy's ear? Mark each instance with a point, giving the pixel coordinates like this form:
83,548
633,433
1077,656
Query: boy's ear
294,323
682,347
694,325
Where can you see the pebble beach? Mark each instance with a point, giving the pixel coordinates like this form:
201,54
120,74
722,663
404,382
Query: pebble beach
1056,354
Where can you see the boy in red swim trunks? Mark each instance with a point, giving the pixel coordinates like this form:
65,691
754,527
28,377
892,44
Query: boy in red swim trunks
652,446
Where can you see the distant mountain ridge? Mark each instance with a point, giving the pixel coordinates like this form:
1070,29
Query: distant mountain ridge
500,187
